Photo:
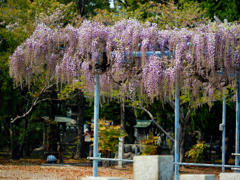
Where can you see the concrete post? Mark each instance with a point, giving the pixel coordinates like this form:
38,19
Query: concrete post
153,167
120,152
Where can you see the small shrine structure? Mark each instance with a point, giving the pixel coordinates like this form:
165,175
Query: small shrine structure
143,129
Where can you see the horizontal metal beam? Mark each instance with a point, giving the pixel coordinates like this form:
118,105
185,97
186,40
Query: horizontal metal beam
232,74
235,154
235,169
110,159
207,165
148,53
139,54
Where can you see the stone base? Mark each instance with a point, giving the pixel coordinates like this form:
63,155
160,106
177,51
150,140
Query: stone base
101,178
198,177
153,167
229,176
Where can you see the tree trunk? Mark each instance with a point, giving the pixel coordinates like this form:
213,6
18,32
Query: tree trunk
14,144
182,140
23,139
81,6
210,149
184,119
106,163
123,116
80,146
44,136
52,135
165,121
230,144
1,133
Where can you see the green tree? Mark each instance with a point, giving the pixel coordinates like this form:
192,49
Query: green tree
10,98
86,8
108,137
207,122
165,15
18,20
224,9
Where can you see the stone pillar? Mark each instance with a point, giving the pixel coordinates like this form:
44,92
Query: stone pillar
120,152
90,151
153,167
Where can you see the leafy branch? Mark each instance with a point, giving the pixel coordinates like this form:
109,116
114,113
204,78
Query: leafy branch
34,102
153,120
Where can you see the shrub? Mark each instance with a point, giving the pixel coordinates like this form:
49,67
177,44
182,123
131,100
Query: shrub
196,152
108,136
148,144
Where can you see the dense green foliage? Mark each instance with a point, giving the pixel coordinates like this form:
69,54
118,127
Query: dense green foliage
224,9
196,152
108,136
167,15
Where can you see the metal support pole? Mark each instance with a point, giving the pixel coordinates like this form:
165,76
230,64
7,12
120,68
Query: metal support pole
96,118
223,132
237,124
176,132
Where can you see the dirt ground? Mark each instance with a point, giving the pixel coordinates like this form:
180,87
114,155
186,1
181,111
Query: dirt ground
58,173
32,169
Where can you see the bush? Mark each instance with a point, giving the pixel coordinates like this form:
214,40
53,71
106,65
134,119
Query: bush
196,152
108,136
148,145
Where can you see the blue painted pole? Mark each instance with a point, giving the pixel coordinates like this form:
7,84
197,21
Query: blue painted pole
237,124
223,132
176,132
96,118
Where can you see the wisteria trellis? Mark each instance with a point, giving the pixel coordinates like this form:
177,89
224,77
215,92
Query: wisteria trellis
195,56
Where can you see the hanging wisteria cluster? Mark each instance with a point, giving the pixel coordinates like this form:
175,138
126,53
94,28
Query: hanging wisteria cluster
135,58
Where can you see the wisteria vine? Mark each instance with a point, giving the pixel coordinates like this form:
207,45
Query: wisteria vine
195,56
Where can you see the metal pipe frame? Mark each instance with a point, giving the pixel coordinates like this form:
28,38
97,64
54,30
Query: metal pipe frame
176,150
237,125
234,154
208,165
235,169
96,118
223,132
109,159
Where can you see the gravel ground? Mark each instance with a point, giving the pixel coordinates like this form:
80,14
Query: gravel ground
11,172
33,169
